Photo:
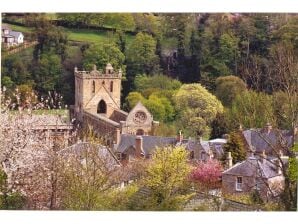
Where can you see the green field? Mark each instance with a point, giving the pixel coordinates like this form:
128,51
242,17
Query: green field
19,28
81,35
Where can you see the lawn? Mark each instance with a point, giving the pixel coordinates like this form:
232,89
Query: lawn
19,28
82,35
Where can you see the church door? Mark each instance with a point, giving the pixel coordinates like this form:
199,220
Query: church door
140,132
102,107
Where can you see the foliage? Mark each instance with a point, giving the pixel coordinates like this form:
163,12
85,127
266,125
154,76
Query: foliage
228,87
207,174
220,126
141,56
197,108
252,109
236,146
122,21
167,180
156,82
101,55
47,72
165,129
133,98
9,200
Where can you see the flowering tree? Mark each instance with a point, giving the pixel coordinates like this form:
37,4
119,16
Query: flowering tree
207,174
27,151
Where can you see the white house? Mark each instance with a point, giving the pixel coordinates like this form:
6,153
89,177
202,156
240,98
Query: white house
11,38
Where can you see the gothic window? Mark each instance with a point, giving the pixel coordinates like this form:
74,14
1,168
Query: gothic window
102,107
93,86
103,83
139,117
111,86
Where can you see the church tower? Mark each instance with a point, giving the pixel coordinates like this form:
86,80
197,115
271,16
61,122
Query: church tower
97,92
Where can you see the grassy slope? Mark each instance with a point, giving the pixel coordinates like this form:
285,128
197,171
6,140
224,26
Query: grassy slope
80,35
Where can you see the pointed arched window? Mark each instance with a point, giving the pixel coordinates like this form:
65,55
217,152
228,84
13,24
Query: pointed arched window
102,107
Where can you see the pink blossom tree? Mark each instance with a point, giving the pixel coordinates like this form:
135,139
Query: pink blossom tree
207,174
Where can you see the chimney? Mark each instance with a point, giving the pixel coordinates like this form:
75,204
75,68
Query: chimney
139,146
117,136
252,154
94,67
75,69
240,127
263,156
179,137
268,127
230,160
278,166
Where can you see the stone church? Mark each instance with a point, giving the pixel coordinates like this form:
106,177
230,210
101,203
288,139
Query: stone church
98,104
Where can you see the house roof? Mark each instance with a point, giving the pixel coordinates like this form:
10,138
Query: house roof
15,34
150,143
252,167
80,148
259,140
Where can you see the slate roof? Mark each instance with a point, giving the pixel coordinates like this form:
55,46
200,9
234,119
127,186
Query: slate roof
257,139
15,33
252,167
150,143
80,148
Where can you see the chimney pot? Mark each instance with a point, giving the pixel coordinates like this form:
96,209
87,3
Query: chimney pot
278,166
139,146
179,137
230,160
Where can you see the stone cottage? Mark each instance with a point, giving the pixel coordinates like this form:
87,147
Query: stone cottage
254,174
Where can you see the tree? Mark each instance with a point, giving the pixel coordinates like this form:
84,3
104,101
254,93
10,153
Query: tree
9,200
88,179
252,110
47,72
236,146
228,87
101,55
157,82
16,69
141,56
207,174
50,38
122,21
285,78
220,125
197,108
133,98
166,179
228,51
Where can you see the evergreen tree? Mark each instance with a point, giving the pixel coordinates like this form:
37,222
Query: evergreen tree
236,146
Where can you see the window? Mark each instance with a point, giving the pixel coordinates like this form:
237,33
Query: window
192,155
111,86
239,184
258,185
93,86
102,107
